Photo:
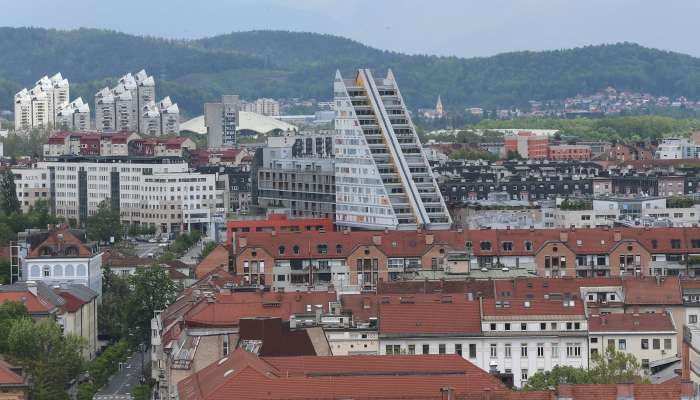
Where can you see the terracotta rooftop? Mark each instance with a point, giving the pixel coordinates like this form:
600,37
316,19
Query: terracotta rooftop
658,291
61,243
618,322
430,319
516,307
244,376
10,377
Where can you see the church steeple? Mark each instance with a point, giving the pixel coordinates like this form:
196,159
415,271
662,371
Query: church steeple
439,110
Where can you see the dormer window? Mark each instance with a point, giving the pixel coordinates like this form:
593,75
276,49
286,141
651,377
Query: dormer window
71,251
281,249
485,245
295,249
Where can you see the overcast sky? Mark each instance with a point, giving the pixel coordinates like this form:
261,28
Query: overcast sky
463,28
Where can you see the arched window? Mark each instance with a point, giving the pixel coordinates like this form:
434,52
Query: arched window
70,270
36,271
295,249
82,270
45,251
71,251
57,270
338,248
281,249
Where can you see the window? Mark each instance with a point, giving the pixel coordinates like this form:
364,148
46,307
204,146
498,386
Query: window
225,346
645,363
645,344
392,349
611,343
458,349
295,249
553,325
523,327
472,350
507,246
693,319
667,344
656,344
46,271
493,327
675,243
654,243
594,340
426,349
485,246
577,325
543,326
523,350
493,350
442,348
569,326
523,375
622,344
528,245
338,248
573,350
508,351
411,349
322,248
540,350
281,250
507,326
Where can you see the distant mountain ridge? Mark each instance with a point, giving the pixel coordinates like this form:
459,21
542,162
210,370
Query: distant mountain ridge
292,64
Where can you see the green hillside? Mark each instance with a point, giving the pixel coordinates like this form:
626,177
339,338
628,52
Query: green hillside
290,64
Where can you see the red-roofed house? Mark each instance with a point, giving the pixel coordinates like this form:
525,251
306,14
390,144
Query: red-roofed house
13,384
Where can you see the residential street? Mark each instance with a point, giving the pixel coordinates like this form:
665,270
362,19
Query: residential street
121,384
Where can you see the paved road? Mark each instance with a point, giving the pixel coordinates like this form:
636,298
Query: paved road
191,256
143,249
121,384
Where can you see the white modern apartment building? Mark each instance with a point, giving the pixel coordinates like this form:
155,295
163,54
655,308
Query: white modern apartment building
131,106
161,193
37,108
383,179
74,117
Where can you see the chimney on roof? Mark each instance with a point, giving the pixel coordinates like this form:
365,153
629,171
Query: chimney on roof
470,296
658,280
429,239
617,236
564,236
273,232
377,240
565,392
447,393
625,391
687,390
242,241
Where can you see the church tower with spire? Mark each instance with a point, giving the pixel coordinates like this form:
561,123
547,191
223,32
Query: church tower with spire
439,110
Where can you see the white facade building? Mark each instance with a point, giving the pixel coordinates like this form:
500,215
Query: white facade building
383,179
74,117
163,195
37,108
675,149
131,106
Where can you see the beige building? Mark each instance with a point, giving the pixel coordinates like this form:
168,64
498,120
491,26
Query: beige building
79,315
650,337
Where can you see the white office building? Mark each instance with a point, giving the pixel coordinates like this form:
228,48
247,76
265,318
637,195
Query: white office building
383,179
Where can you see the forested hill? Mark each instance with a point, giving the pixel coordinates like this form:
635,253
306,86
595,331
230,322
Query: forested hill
290,64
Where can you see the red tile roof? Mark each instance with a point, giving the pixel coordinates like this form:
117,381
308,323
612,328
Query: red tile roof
53,241
73,303
514,307
227,309
34,304
358,377
440,318
618,322
8,377
365,306
650,291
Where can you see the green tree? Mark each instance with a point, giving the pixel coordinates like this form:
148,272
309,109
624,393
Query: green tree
513,155
152,290
8,193
556,376
5,272
141,392
105,223
614,366
50,358
113,313
9,312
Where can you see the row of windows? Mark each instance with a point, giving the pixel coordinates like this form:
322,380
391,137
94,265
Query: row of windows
542,325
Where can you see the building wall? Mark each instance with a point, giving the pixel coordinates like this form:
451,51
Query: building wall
667,344
548,250
55,271
352,342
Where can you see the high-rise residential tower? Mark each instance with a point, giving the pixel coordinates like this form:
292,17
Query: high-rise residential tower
37,108
221,120
383,179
